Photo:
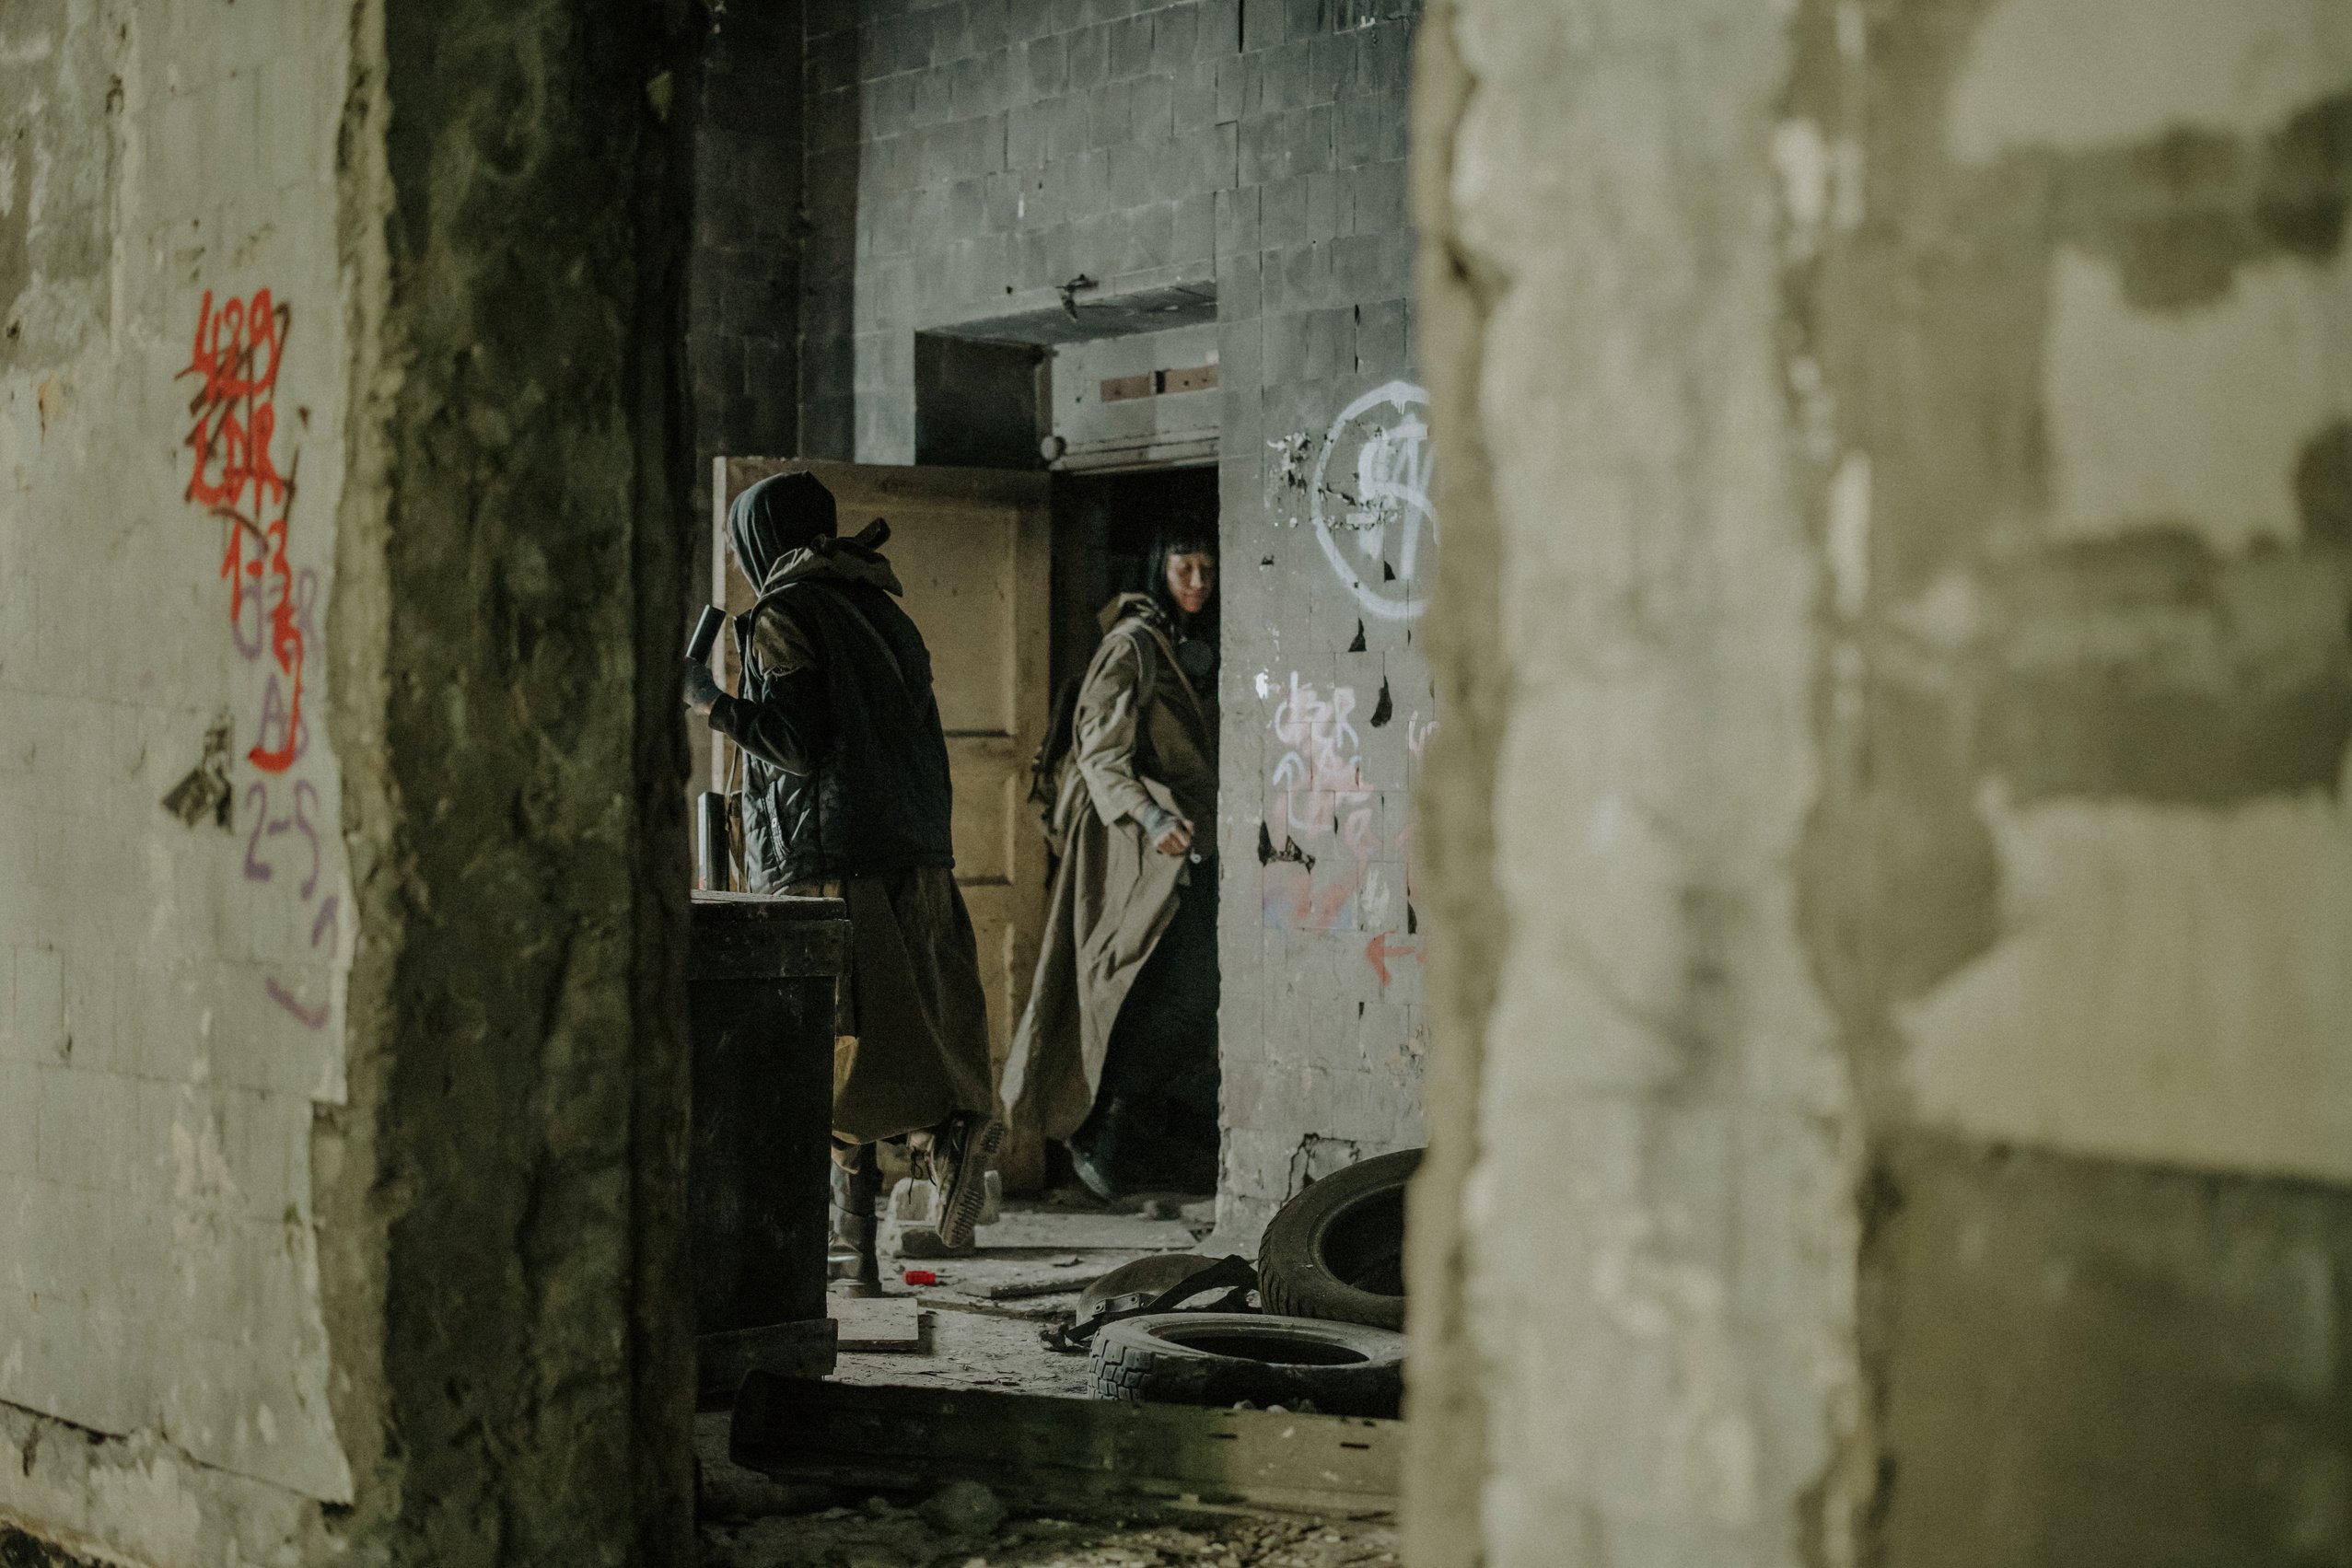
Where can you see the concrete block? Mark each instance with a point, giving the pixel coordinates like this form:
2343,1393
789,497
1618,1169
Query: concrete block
975,86
1069,129
1089,58
952,37
1194,98
1107,110
1283,211
1311,148
1377,198
1277,82
991,24
1326,206
19,1144
37,1025
1151,110
1132,176
1286,340
1217,33
1331,67
1027,20
1383,60
1194,238
1367,130
1130,47
1175,39
1150,236
1380,338
1234,78
1262,25
1044,67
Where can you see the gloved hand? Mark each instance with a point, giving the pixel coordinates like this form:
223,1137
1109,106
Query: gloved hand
703,690
1165,830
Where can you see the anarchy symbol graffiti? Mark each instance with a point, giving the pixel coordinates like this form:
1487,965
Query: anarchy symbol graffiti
1370,499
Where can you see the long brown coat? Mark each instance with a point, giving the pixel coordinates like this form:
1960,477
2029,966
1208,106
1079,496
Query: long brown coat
1142,734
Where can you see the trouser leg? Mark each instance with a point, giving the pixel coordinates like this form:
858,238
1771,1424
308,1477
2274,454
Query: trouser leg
857,1196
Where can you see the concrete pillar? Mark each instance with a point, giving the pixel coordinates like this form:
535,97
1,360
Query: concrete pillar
342,877
1891,881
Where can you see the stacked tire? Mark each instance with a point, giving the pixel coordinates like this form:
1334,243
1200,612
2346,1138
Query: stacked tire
1331,1279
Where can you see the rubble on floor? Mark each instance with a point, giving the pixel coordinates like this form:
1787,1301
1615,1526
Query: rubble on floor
879,1534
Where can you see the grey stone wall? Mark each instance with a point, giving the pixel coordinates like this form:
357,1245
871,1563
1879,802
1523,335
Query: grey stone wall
969,158
741,99
1894,1077
342,1096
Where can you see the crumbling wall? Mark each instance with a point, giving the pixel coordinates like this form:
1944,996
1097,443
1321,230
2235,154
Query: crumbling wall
2074,282
1892,1103
969,159
341,1090
176,913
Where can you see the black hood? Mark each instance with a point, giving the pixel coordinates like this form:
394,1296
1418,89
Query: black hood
780,515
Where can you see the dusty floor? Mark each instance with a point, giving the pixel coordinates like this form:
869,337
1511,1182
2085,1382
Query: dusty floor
882,1536
972,1341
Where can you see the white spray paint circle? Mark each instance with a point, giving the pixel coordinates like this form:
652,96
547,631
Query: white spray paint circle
1378,500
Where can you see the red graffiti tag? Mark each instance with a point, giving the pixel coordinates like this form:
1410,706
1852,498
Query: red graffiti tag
235,477
235,358
1379,950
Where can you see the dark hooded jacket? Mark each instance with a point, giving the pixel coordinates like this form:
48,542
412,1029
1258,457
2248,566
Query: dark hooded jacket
845,769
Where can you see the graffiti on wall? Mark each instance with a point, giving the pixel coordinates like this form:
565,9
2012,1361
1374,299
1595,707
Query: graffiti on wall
235,477
1369,497
1337,868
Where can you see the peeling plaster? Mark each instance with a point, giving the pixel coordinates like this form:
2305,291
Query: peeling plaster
2172,985
2082,72
2192,419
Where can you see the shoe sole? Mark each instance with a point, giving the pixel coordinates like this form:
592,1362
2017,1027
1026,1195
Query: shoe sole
962,1212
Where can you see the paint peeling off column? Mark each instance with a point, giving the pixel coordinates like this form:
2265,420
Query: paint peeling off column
2081,73
2170,984
2192,419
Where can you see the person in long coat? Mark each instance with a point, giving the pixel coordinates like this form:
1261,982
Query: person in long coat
1116,1052
847,795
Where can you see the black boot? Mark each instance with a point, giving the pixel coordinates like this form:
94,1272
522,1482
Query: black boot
855,1254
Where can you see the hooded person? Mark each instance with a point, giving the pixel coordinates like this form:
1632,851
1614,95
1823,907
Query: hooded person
846,795
1116,1052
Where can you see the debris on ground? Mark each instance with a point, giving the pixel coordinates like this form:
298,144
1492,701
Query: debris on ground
751,1521
962,1508
879,1535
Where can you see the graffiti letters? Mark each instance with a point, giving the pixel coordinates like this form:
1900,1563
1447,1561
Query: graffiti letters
234,476
1334,870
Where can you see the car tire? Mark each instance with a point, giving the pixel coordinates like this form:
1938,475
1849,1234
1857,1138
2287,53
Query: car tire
1337,1250
1228,1358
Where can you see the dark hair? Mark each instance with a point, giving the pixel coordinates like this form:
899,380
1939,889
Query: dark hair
1180,536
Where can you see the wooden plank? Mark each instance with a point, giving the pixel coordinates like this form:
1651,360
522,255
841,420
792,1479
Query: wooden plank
800,1349
1055,1452
878,1323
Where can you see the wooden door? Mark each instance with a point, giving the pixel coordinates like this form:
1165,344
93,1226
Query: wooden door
972,546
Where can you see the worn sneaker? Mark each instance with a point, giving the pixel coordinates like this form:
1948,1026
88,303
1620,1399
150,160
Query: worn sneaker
959,1167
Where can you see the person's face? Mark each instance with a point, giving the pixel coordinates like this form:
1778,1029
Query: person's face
1191,580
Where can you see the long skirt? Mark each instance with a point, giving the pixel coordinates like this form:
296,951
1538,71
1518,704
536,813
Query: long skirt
912,1040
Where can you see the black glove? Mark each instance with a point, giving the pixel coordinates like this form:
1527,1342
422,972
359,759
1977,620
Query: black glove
703,690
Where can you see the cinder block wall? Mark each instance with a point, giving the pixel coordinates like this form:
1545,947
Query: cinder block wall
967,159
1892,1092
171,978
341,871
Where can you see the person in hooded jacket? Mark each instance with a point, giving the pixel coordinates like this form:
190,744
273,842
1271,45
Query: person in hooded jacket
1116,1052
847,795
